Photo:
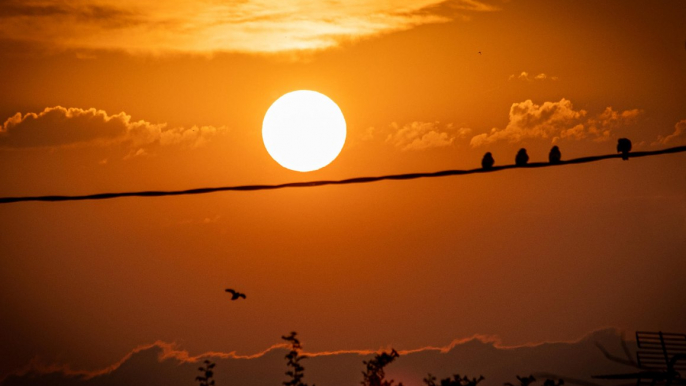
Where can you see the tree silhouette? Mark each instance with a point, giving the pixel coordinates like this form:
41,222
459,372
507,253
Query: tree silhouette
206,378
456,380
526,381
297,371
374,374
523,381
551,382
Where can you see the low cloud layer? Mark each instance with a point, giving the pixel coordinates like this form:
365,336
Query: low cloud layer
60,127
677,137
204,26
424,135
531,78
556,121
164,364
417,135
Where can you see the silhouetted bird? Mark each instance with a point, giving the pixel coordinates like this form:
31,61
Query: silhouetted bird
488,161
479,52
522,158
235,294
554,156
624,147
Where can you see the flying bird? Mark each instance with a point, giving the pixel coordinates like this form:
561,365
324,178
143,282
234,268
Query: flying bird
522,158
624,147
554,156
488,161
235,294
479,52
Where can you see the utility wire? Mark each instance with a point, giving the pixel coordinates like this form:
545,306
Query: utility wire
358,180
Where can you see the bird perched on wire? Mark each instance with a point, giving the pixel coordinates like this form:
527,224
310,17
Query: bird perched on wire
235,295
624,147
554,156
522,158
488,161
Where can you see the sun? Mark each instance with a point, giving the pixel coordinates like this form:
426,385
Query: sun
304,130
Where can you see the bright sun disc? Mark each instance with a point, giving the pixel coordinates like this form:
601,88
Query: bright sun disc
304,130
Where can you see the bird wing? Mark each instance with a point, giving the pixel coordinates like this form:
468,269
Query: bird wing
232,292
242,295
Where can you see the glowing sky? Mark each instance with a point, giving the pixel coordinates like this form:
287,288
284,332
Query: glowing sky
208,26
102,96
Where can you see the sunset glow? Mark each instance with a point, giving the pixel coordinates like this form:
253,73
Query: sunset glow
473,187
304,130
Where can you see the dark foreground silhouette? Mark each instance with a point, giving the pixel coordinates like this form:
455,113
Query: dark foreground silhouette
205,379
375,375
296,371
166,364
358,180
661,357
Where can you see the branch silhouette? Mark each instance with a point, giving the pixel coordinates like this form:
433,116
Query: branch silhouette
374,374
358,180
296,371
205,379
457,380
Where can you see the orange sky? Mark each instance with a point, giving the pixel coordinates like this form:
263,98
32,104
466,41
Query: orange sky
133,95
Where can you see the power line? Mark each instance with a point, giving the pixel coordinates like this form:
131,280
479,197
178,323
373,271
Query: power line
358,180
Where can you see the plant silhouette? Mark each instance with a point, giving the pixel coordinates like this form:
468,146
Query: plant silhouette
374,375
523,381
456,380
551,382
297,371
206,378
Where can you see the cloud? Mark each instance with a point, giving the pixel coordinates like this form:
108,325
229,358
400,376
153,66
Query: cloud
525,77
206,26
424,135
108,16
601,127
556,121
60,127
473,5
679,135
165,364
